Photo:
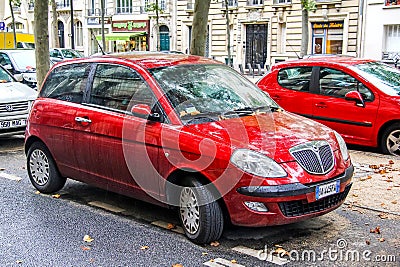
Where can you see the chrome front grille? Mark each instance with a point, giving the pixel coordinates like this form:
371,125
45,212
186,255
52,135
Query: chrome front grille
13,107
315,157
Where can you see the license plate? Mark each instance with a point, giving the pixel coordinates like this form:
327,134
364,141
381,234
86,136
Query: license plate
325,190
12,124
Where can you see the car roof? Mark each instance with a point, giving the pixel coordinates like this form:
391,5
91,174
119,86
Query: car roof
151,60
328,60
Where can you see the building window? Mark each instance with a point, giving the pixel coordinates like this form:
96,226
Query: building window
78,33
163,4
255,2
391,46
278,2
327,37
124,7
392,2
18,26
231,3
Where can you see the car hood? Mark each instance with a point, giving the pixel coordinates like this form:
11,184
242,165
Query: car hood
271,134
15,92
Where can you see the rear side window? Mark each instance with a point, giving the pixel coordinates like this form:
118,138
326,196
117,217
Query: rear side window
118,87
297,78
66,83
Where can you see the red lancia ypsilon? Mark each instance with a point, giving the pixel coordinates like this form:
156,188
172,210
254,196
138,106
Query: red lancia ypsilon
188,132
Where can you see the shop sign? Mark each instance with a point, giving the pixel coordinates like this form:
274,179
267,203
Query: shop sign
328,25
130,26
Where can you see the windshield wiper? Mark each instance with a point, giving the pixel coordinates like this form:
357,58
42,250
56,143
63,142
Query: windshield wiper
250,110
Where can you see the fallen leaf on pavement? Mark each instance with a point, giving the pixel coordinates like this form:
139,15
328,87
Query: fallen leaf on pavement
383,216
355,195
37,193
177,265
215,244
367,242
381,239
56,196
233,261
280,251
377,230
204,253
18,261
382,171
373,166
144,247
171,226
394,202
85,248
87,238
391,162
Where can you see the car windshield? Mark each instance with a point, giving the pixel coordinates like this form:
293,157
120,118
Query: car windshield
383,76
5,77
25,60
68,53
214,90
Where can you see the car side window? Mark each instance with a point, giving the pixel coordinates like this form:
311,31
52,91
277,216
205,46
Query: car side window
119,88
297,78
66,83
336,83
4,59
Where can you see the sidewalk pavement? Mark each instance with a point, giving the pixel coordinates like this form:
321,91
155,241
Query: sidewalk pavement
376,183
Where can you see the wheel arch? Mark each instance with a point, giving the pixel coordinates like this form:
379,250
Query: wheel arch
177,178
30,141
383,128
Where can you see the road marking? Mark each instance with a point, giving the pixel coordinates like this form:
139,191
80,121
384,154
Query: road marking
219,262
10,176
165,225
261,255
106,206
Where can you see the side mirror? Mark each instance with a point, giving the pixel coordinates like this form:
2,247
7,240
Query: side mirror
356,97
144,111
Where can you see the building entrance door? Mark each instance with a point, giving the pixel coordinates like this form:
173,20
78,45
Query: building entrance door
256,44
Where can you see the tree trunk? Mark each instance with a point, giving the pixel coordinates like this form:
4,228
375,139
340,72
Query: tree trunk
199,29
54,24
41,31
13,22
103,36
304,32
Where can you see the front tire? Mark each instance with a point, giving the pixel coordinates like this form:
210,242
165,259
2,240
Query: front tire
42,169
200,214
390,142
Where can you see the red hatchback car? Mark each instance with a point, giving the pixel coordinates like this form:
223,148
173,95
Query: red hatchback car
186,132
359,98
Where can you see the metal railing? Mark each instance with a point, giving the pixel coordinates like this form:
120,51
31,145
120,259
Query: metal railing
231,3
255,2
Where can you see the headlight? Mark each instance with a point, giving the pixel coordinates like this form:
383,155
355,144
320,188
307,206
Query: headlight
257,164
342,145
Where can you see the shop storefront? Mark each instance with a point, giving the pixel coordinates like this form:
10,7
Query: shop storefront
327,37
128,35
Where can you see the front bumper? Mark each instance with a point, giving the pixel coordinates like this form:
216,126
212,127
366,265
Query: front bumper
286,203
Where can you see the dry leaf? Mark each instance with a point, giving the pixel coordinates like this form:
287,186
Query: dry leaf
18,261
214,244
382,171
280,251
171,226
56,196
212,260
373,166
177,265
377,230
144,247
369,177
391,162
367,242
355,195
87,238
204,253
394,202
233,261
37,193
85,248
381,239
2,169
383,216
389,188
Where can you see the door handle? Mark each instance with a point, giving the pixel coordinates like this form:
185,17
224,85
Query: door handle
321,105
82,120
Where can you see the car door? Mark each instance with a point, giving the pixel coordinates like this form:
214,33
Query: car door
354,122
291,89
115,149
59,100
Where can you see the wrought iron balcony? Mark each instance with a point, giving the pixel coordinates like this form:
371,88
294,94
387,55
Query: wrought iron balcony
231,3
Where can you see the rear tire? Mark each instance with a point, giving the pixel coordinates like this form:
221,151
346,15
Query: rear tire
202,224
42,169
390,143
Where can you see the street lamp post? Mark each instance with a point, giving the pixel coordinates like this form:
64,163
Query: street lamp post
72,25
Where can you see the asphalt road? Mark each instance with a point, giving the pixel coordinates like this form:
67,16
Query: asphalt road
49,230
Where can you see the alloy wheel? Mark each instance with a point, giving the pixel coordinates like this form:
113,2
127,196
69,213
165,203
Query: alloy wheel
189,210
39,167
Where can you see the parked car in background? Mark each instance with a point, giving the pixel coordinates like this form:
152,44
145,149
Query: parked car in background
21,63
186,132
359,98
60,54
15,103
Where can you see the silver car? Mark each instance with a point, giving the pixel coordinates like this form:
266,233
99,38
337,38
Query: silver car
15,103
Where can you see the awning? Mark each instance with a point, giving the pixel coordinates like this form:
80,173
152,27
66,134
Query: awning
123,36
